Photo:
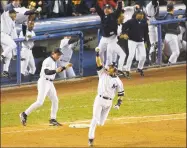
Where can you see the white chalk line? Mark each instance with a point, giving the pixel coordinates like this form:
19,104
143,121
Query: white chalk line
144,119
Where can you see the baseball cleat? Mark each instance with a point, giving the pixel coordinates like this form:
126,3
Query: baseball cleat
140,71
90,142
53,122
3,59
23,118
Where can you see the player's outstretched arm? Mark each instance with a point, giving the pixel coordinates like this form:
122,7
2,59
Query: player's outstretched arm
98,59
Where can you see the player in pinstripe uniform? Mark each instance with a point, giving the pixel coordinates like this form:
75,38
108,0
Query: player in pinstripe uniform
109,84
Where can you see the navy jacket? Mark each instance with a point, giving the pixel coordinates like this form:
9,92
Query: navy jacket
136,30
109,22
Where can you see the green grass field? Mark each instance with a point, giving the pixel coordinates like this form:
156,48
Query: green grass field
155,99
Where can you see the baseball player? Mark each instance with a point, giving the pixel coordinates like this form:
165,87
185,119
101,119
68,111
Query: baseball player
171,37
46,87
137,32
120,52
68,44
152,10
26,51
8,34
109,27
108,85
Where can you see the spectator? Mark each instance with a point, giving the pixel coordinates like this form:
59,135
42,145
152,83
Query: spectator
102,3
57,8
80,7
26,3
13,4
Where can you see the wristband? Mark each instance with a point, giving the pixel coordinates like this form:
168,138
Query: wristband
63,68
119,102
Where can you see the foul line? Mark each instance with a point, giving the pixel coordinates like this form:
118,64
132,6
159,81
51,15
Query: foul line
125,120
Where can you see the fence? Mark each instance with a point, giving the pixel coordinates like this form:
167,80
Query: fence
81,36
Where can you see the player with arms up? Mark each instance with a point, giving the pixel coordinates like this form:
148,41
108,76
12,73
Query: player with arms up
109,84
109,26
46,87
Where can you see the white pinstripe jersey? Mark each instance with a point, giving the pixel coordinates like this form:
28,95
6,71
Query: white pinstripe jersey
108,86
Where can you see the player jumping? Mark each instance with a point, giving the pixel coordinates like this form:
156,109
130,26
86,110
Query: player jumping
109,84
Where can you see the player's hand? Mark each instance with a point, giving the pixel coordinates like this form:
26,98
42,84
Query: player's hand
180,16
69,65
97,49
116,107
40,3
59,69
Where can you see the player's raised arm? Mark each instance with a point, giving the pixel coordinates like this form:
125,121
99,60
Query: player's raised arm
98,59
99,11
119,9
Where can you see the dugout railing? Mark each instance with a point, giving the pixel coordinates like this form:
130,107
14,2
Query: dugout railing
81,36
46,37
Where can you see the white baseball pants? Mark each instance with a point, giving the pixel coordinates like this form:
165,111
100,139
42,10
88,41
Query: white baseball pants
9,49
8,45
45,88
101,110
172,41
115,51
28,62
153,37
109,45
134,47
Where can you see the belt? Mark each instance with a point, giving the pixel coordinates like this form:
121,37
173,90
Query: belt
49,79
106,98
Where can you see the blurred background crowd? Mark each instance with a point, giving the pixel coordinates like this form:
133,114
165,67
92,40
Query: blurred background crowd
64,8
44,9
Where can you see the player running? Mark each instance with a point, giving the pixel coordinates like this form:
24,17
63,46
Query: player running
109,84
46,87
